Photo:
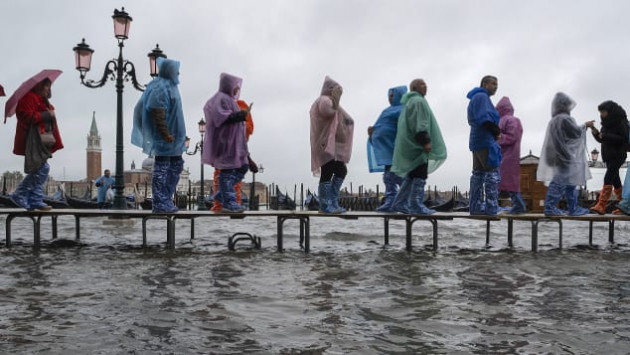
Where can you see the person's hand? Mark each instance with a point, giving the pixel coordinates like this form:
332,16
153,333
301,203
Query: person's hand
370,131
253,167
427,147
590,124
52,113
169,138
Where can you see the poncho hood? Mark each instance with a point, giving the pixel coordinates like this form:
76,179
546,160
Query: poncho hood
505,107
328,86
227,84
562,103
398,92
168,69
475,91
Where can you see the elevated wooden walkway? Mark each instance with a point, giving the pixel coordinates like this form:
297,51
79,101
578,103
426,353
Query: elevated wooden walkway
304,218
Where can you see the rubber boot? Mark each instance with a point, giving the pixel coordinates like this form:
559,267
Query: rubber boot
571,195
554,194
401,202
518,205
391,181
325,205
491,184
161,198
36,197
476,185
602,202
416,196
216,205
618,192
334,194
174,171
226,194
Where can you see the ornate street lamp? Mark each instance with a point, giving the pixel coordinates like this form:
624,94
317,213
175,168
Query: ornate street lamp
201,202
120,70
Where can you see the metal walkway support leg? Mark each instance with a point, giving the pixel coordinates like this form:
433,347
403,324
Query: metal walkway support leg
77,227
170,232
8,230
408,223
386,228
534,235
487,232
37,231
305,224
435,234
144,232
560,233
510,236
611,231
192,228
280,221
590,233
54,226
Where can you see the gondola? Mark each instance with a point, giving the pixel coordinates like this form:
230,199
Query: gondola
311,202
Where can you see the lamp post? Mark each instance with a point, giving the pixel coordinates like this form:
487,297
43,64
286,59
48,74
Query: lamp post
201,202
120,70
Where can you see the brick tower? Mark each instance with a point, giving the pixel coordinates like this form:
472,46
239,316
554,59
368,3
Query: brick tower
93,162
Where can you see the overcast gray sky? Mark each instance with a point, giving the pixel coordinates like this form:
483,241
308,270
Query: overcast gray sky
283,49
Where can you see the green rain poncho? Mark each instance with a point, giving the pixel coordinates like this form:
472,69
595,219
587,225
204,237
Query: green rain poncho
416,117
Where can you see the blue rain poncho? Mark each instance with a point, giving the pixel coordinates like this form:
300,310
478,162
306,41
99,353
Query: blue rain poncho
162,93
563,156
380,147
480,111
417,117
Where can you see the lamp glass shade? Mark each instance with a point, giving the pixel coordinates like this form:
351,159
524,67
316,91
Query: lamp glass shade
83,56
122,22
202,126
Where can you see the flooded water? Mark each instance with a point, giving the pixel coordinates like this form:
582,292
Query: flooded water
351,295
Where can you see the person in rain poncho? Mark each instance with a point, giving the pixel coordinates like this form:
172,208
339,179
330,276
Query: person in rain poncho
510,142
104,184
614,139
483,119
249,130
35,109
159,129
563,164
331,145
225,143
419,149
380,146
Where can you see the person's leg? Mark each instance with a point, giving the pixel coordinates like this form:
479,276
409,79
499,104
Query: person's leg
518,205
216,204
416,196
227,179
160,185
571,196
36,196
491,184
324,188
554,194
175,169
391,181
477,179
339,175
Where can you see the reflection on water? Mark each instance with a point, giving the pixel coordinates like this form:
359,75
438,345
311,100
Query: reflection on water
107,295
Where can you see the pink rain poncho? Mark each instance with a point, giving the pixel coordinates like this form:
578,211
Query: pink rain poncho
510,142
331,130
225,145
563,156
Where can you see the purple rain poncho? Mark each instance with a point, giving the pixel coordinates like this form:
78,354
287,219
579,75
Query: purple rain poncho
510,142
331,130
224,146
563,156
380,146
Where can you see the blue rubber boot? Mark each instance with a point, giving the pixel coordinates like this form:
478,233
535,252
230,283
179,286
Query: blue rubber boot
36,197
325,205
227,179
491,184
175,169
334,194
476,207
21,194
416,198
391,181
554,194
161,198
518,205
401,202
571,195
624,206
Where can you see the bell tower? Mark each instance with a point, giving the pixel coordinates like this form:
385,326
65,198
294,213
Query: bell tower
93,150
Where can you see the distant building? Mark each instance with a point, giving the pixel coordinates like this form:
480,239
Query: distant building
93,152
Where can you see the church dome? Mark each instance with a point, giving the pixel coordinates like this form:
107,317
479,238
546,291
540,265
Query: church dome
147,164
